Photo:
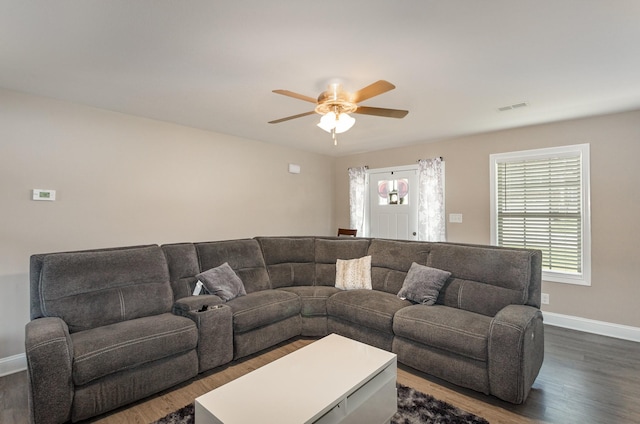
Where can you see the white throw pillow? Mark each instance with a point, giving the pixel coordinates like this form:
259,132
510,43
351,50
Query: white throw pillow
353,274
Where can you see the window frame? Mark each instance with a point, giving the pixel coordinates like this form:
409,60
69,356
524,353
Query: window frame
580,150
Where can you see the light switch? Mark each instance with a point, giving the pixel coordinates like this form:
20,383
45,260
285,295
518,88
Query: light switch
455,217
294,169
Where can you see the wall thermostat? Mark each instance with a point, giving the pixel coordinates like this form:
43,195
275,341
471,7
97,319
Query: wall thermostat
39,194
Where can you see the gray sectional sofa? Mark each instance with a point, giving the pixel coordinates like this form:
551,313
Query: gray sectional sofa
112,326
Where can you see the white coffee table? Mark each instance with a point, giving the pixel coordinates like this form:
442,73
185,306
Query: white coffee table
333,380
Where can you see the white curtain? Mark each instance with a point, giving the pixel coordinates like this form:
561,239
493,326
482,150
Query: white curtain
357,190
431,214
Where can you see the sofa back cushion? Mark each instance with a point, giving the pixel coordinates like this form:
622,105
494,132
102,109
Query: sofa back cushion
290,261
483,279
244,256
182,260
89,289
391,260
329,250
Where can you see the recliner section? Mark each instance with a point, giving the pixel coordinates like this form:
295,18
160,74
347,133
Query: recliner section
102,333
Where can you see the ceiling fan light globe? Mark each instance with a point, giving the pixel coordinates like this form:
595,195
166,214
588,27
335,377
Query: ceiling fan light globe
329,118
324,127
344,123
328,121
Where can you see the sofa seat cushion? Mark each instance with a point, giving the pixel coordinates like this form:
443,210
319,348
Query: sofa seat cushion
455,330
370,308
105,350
313,298
262,308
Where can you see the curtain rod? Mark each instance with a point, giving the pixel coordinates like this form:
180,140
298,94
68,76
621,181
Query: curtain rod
367,166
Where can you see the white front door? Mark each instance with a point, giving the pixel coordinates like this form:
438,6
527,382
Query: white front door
393,203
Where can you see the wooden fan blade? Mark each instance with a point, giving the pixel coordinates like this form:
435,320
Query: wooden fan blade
372,90
292,117
379,111
296,95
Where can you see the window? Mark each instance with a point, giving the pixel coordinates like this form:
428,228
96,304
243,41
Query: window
540,200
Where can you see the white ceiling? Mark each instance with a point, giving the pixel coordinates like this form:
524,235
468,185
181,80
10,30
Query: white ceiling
212,64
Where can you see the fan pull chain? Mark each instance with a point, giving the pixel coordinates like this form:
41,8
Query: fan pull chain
333,134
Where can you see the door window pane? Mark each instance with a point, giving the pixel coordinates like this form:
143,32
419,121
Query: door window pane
393,192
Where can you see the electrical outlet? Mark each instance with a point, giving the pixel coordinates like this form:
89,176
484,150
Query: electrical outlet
545,298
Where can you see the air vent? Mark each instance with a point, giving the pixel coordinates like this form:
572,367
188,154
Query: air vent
513,106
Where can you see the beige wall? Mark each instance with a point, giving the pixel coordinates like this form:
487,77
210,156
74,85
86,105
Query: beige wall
615,202
125,180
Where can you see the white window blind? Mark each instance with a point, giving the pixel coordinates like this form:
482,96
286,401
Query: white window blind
539,203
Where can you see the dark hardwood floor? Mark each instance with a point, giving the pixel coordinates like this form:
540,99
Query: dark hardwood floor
585,379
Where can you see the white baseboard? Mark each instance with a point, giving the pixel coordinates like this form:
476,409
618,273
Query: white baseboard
11,364
602,328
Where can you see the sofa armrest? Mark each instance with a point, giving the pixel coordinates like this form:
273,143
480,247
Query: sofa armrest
49,353
191,303
516,351
215,329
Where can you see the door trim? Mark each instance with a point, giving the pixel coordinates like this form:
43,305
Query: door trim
369,172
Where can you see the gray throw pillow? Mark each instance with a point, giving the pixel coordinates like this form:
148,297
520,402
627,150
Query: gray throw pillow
422,284
223,282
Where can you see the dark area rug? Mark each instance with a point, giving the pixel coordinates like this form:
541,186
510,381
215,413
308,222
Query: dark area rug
414,407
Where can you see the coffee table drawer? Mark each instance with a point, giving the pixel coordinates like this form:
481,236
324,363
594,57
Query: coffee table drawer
373,403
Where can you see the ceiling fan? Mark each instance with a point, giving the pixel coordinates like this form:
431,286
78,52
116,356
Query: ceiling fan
335,105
